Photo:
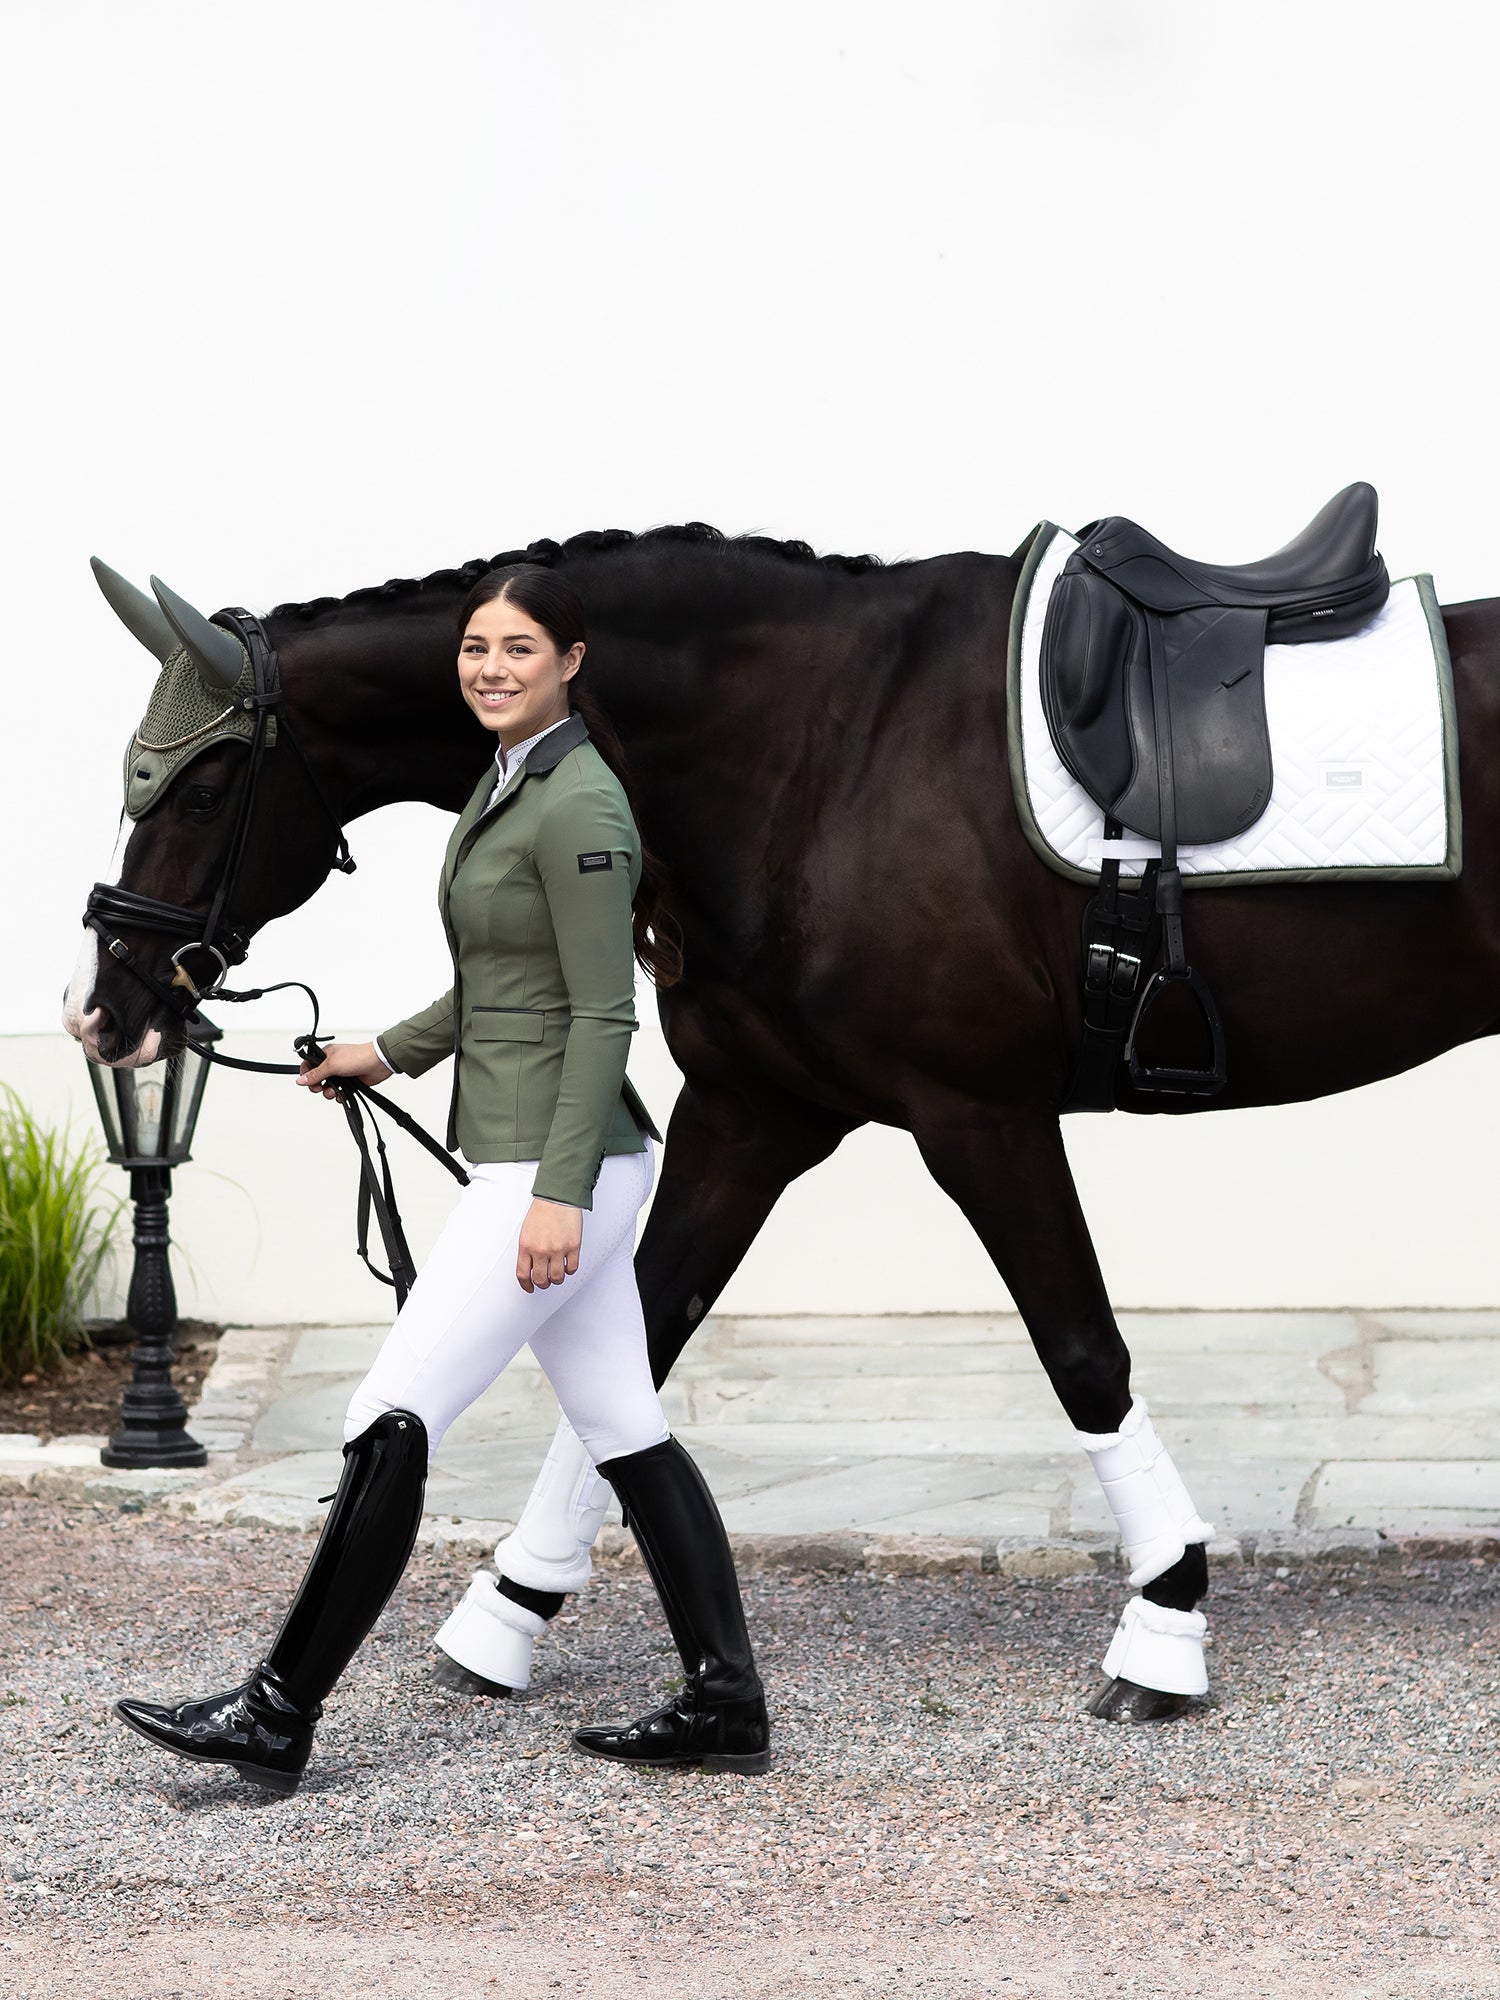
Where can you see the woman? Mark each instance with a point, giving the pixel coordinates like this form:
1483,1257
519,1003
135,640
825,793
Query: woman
544,903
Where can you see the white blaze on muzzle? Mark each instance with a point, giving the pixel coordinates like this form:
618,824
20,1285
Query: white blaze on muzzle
1156,1518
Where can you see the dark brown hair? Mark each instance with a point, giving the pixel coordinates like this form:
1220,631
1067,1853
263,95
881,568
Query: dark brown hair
556,606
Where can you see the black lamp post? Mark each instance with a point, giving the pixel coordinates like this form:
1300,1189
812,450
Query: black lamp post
148,1116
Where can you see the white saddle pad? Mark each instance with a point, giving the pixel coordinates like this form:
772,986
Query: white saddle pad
1364,750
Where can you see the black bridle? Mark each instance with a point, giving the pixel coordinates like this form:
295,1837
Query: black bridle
110,907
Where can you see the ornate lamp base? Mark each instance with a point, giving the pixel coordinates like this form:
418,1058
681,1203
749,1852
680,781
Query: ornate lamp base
153,1416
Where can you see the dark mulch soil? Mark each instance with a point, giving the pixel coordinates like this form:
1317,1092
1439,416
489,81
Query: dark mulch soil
81,1396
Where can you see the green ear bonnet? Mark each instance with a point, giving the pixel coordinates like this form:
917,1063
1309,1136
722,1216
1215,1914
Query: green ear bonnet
206,691
183,718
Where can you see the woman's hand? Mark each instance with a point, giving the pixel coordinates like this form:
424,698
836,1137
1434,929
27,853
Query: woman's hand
551,1237
355,1060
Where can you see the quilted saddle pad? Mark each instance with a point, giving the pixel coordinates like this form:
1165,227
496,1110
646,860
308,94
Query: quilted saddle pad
1364,748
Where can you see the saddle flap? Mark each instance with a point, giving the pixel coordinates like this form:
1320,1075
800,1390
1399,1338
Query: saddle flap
1220,739
1097,698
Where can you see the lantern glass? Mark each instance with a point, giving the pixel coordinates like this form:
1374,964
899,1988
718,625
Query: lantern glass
149,1113
192,1074
109,1110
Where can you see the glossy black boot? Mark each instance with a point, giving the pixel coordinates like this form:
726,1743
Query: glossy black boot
719,1720
264,1729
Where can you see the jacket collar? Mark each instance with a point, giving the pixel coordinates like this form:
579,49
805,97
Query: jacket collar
554,746
545,757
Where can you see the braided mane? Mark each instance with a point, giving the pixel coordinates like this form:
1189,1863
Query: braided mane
593,542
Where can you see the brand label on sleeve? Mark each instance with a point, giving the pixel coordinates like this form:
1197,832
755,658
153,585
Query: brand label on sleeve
589,864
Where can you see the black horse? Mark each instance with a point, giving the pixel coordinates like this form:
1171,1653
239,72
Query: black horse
819,748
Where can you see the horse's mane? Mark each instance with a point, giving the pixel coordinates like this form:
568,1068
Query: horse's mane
596,541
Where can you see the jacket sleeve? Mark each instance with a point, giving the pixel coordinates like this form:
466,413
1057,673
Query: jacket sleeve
584,852
421,1040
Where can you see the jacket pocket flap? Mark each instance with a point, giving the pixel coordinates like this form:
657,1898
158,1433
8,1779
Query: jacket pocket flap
507,1024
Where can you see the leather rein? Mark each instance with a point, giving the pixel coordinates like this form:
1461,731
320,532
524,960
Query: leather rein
109,907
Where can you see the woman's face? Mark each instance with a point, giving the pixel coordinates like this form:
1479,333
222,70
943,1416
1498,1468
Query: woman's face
511,673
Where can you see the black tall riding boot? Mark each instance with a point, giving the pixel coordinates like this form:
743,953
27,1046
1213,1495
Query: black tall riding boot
264,1729
719,1720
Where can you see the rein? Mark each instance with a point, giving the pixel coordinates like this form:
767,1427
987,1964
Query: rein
377,1191
109,906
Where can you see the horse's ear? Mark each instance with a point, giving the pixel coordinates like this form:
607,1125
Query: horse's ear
140,615
217,654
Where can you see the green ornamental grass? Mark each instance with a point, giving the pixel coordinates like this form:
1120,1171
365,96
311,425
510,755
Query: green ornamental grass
56,1230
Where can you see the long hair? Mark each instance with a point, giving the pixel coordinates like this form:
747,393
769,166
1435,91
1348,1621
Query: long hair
556,606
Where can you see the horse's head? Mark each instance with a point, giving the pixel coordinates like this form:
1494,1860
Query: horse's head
202,870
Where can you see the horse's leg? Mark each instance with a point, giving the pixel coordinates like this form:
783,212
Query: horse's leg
1009,1173
729,1156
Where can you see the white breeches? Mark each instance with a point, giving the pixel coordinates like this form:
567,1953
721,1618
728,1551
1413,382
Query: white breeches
467,1317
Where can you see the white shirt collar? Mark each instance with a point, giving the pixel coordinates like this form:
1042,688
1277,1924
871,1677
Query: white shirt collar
508,763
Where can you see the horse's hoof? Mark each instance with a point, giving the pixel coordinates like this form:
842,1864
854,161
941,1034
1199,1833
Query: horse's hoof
1123,1701
458,1680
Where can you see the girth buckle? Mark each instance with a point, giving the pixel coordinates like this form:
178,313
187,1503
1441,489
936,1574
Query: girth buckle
1109,970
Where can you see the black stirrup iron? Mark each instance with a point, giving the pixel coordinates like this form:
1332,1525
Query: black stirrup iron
1169,1078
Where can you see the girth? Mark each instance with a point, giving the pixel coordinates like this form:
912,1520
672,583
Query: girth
1153,686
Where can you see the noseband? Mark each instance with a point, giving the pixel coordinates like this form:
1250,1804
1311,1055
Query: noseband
224,943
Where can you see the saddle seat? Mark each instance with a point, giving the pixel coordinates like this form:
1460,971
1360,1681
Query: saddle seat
1150,659
1325,583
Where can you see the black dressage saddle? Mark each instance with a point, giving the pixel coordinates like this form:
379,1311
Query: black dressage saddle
1153,685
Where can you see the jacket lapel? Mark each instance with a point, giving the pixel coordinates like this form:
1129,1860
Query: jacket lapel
466,822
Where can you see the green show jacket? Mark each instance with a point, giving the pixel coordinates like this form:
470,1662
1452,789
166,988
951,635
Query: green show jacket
535,897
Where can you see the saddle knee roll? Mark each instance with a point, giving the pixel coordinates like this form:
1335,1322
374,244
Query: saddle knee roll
549,1547
1156,1647
1156,1518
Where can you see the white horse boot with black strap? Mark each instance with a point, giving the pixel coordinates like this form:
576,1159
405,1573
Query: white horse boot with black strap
492,1629
1157,1647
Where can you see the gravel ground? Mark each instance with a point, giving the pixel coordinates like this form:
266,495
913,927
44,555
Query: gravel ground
942,1818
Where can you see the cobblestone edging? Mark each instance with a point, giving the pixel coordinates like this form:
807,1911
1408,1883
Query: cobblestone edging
68,1471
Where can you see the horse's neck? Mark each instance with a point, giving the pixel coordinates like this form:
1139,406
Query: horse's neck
373,696
375,705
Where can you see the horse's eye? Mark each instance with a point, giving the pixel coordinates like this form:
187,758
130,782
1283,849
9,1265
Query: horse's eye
201,799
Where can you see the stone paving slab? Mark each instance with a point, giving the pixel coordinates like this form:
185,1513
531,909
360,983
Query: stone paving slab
861,1443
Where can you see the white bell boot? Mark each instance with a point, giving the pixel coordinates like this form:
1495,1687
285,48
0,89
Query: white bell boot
1156,1518
491,1635
1156,1647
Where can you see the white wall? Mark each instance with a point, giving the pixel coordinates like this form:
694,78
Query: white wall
1382,1198
299,297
